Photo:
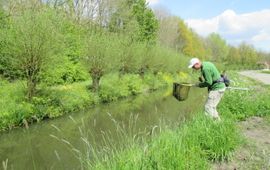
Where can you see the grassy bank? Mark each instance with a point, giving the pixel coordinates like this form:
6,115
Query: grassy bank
190,146
55,101
266,71
194,144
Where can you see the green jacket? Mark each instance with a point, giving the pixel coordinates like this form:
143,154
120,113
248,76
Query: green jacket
210,75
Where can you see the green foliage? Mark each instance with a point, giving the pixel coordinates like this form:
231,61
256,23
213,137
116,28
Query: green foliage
52,102
234,56
218,46
65,73
59,100
191,146
32,40
154,82
248,54
266,72
250,104
6,68
148,24
190,43
114,87
100,56
66,66
13,107
244,104
55,101
130,53
218,140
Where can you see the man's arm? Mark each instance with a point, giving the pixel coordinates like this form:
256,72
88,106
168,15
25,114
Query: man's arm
208,81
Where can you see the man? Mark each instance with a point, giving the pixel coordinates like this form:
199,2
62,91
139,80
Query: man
212,80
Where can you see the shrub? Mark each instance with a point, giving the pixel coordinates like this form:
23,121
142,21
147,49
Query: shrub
114,87
59,100
154,82
13,108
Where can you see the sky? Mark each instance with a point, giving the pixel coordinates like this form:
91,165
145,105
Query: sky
235,20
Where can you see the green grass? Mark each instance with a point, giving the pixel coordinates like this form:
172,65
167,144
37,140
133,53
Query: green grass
13,107
192,145
266,71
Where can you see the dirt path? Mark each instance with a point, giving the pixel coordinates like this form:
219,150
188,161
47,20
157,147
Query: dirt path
255,153
263,77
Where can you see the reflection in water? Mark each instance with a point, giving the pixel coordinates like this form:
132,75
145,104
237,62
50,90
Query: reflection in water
46,145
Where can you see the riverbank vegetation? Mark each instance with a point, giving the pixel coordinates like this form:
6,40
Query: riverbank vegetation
266,71
195,143
58,57
57,100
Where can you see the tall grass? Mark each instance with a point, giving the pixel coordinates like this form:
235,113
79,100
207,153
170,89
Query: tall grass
193,144
5,164
243,104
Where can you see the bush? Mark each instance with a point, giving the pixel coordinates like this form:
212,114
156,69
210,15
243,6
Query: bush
59,100
134,83
154,82
65,73
13,108
113,87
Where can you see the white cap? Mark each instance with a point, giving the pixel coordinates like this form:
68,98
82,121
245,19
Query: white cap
193,61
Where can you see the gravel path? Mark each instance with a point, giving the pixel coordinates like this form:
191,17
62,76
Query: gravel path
263,77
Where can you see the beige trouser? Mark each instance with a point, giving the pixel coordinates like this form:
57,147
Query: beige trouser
213,99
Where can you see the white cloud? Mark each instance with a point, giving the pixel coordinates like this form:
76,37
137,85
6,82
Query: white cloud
250,27
152,2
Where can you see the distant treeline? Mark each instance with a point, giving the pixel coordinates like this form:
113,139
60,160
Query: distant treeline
174,33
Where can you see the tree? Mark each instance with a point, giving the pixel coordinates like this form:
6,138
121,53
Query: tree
135,19
129,55
168,29
168,32
248,54
218,47
148,24
233,56
99,56
189,42
32,42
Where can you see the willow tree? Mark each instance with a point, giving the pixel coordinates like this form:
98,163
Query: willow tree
99,56
32,41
